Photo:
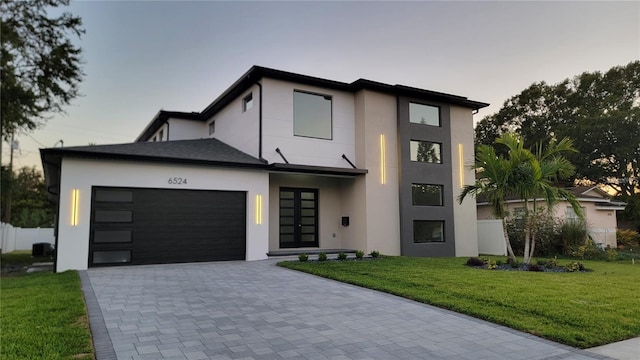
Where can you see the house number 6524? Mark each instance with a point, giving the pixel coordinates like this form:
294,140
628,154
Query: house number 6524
177,181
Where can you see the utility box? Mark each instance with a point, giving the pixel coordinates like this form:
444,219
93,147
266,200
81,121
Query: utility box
41,249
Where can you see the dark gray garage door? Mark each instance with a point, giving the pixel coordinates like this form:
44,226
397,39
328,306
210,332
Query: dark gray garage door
154,226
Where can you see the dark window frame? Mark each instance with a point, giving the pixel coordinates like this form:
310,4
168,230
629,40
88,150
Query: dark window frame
413,198
326,97
247,102
428,142
437,107
442,232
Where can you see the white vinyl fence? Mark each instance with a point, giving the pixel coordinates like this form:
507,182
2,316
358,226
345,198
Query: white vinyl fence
491,238
15,238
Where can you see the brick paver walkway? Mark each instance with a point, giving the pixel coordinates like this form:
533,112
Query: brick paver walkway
256,310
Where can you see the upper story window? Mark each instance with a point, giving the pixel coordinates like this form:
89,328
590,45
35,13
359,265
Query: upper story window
312,115
247,102
161,135
212,127
426,194
424,114
425,151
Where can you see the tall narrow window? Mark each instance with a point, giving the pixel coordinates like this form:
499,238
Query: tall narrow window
312,115
247,102
425,151
161,135
424,114
212,127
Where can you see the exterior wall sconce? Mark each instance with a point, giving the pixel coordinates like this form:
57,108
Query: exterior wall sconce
258,209
461,164
383,160
75,199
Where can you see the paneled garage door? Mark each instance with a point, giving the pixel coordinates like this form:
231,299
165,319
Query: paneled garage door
155,226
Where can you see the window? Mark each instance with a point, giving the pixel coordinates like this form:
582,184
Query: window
161,136
424,114
426,195
425,151
425,231
247,102
112,236
572,217
312,115
212,127
109,257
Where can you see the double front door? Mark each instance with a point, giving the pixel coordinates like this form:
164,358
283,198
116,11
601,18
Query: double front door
298,217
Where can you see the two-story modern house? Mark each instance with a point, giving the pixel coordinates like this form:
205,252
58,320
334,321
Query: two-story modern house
279,161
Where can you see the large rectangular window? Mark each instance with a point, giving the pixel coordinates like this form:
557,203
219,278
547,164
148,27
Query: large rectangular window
312,115
426,231
424,114
426,195
425,151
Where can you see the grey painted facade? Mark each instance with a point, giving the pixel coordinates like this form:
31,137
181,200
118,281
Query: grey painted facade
426,173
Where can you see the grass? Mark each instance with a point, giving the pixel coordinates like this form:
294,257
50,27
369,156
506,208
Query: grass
43,316
17,260
577,309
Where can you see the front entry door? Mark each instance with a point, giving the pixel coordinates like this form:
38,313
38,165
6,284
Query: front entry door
298,217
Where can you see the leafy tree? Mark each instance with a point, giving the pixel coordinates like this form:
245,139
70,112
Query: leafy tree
600,112
30,205
521,174
40,66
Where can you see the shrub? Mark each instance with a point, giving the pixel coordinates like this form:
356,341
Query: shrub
375,253
535,267
474,261
342,256
588,251
491,265
359,254
513,263
574,266
322,256
611,254
552,263
628,239
542,262
547,232
303,257
573,235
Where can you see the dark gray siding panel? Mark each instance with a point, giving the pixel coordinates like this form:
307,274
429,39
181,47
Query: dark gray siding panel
425,173
171,226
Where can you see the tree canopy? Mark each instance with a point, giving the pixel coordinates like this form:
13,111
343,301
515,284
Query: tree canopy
41,68
30,206
600,112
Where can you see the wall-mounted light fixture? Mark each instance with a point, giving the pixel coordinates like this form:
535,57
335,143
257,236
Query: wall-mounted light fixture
258,209
383,160
461,164
75,199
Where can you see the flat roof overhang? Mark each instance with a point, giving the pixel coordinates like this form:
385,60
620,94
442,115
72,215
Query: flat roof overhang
316,170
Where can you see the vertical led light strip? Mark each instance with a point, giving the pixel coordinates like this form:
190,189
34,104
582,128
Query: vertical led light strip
75,198
258,209
461,164
383,160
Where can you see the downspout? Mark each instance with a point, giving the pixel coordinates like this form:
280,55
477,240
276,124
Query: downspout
260,122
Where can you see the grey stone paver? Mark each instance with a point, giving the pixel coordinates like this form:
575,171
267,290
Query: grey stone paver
256,310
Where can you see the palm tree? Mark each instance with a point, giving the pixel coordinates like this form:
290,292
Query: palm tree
524,175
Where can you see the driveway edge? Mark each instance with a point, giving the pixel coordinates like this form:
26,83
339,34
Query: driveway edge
99,334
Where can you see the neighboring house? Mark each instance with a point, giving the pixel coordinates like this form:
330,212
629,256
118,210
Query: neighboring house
598,208
279,161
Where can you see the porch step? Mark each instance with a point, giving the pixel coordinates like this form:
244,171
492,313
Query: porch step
309,252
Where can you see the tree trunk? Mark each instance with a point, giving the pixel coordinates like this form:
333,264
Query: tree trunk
512,256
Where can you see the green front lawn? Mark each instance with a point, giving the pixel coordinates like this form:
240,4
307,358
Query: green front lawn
43,317
578,309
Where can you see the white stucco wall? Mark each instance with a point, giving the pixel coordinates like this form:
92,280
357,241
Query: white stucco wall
376,114
236,127
182,129
278,127
464,215
82,174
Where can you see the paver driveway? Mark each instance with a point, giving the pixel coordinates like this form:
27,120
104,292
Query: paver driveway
256,310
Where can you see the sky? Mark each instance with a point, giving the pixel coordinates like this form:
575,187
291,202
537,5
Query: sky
144,56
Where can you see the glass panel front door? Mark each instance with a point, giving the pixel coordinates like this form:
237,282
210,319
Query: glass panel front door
298,218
